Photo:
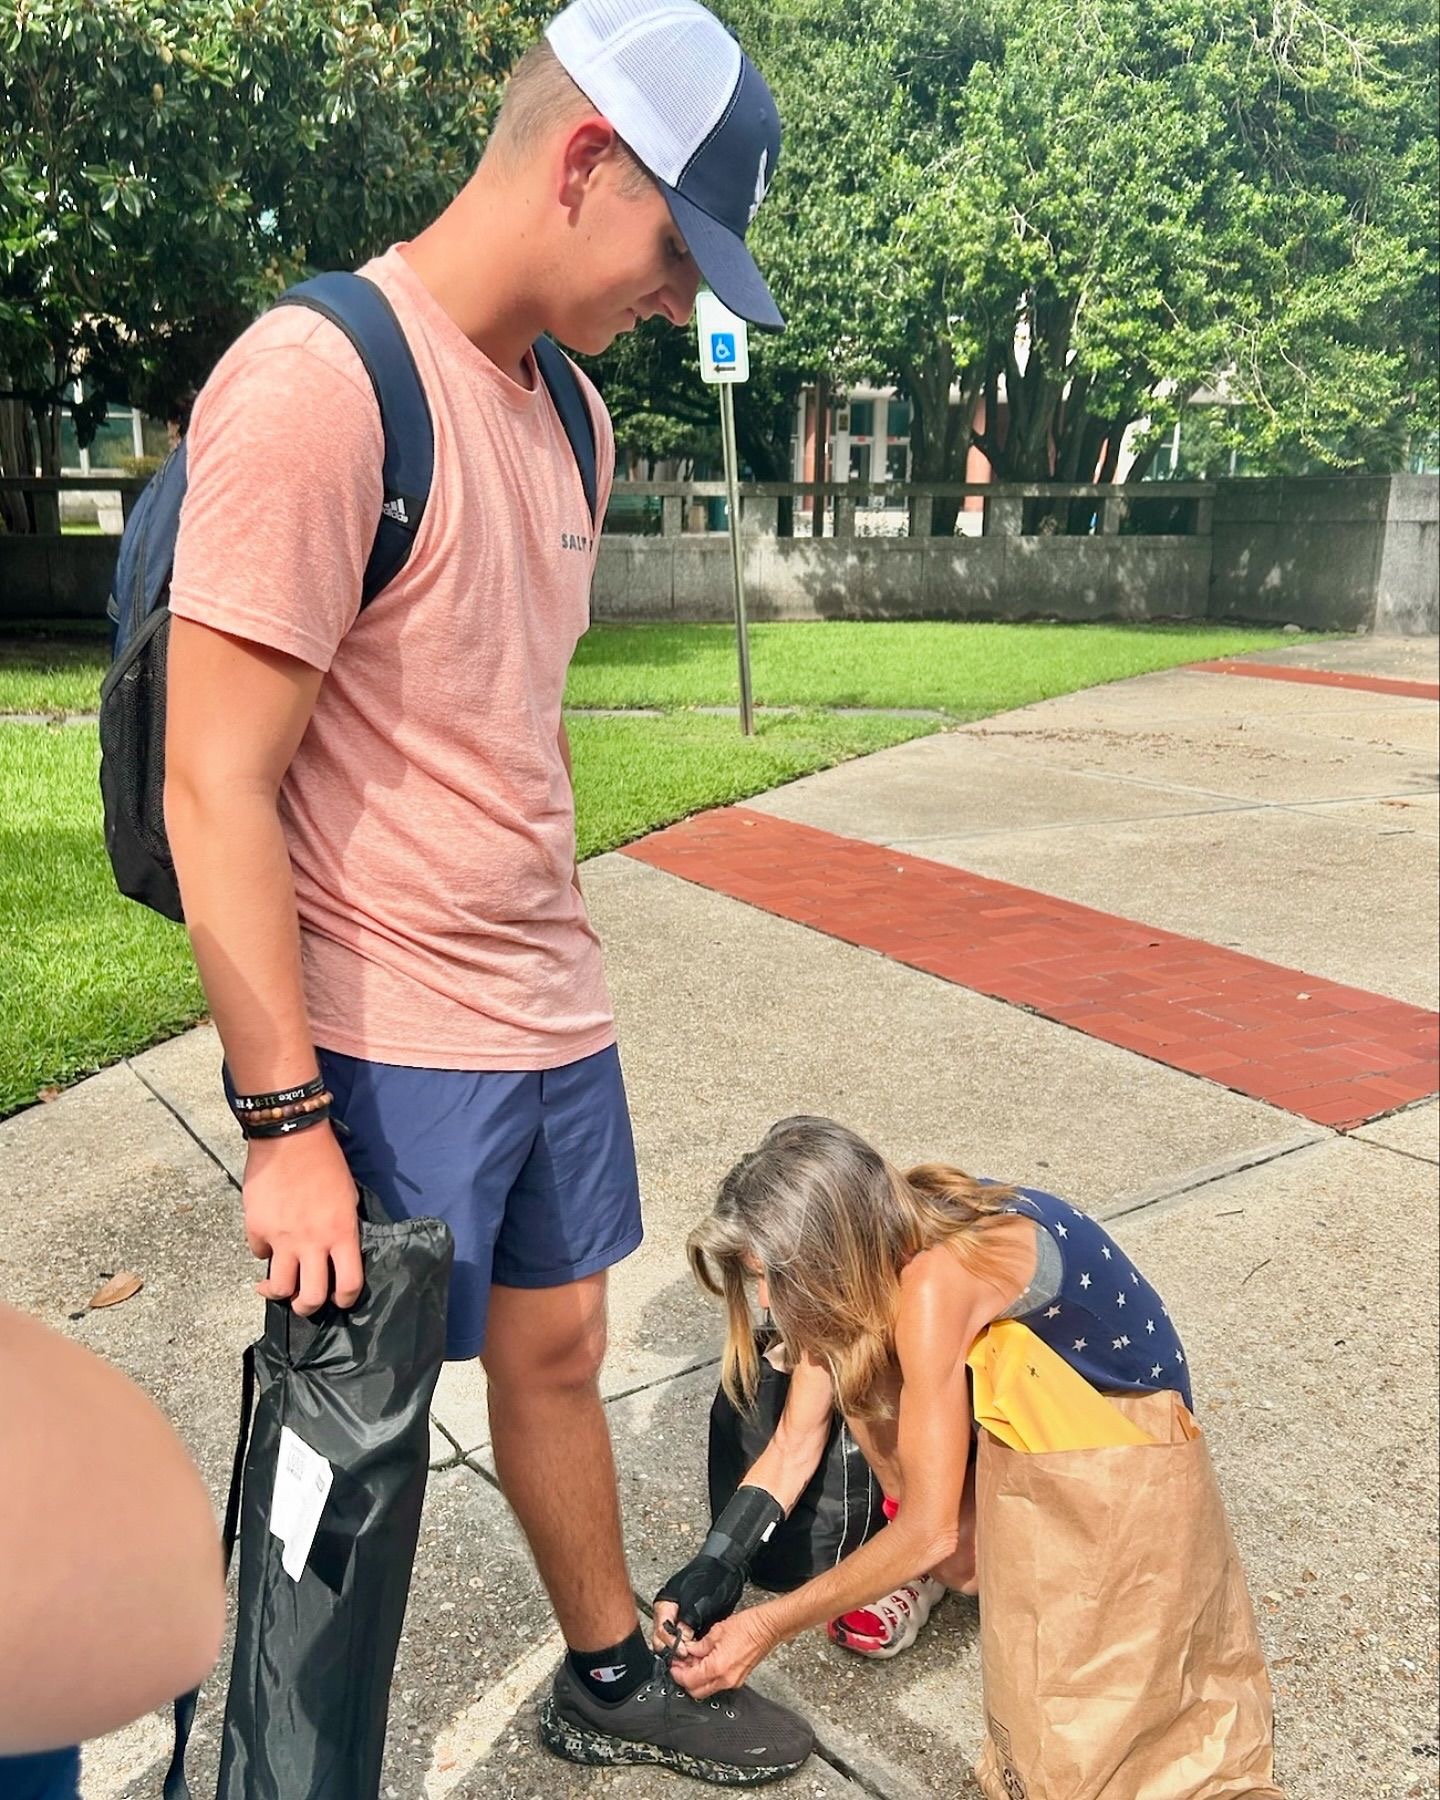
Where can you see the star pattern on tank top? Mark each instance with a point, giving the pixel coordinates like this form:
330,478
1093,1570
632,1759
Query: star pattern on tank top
1085,1321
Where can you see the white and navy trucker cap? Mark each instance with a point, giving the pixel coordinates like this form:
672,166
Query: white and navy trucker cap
697,113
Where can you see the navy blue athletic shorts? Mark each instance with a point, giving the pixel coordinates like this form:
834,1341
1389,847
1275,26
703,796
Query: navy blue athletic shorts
533,1171
55,1775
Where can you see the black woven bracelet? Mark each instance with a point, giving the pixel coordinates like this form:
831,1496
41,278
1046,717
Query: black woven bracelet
240,1104
278,1128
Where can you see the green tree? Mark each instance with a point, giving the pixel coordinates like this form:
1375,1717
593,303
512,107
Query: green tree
167,166
1334,335
1090,211
650,379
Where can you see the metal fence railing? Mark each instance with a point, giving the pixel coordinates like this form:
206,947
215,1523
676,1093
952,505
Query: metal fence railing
802,509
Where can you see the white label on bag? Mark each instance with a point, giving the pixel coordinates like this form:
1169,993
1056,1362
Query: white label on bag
302,1483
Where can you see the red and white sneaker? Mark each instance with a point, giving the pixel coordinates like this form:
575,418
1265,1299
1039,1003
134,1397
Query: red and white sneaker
890,1625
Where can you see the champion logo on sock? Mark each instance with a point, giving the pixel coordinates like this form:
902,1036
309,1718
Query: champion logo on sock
613,1672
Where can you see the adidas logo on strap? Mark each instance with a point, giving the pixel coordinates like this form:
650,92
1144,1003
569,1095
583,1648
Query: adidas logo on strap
395,509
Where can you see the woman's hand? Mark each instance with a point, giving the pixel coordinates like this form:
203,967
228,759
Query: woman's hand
726,1656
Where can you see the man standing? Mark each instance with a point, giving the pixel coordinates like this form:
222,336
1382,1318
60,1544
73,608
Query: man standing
371,813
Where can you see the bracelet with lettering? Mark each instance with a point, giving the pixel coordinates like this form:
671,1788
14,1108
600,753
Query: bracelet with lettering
241,1104
271,1114
279,1128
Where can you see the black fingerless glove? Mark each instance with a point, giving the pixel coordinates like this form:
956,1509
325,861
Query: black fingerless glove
709,1587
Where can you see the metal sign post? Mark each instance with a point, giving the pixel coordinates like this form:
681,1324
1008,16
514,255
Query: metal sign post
732,485
724,361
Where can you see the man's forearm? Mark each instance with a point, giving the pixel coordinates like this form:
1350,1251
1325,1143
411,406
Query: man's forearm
239,895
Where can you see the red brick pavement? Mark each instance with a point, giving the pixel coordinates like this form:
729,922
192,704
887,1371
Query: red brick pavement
1369,684
1334,1054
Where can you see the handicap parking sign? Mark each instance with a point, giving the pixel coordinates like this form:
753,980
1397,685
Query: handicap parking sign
724,345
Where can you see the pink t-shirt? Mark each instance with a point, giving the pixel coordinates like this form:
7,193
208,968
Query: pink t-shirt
429,817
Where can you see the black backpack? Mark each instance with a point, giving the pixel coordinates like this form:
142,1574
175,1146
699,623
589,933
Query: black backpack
841,1507
132,697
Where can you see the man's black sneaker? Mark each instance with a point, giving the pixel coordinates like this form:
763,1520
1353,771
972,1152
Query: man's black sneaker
735,1739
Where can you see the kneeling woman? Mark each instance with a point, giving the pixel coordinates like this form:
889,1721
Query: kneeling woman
879,1283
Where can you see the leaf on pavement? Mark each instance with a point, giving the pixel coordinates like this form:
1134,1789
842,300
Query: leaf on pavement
122,1286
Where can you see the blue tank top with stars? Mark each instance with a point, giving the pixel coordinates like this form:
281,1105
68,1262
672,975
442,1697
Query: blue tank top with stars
1103,1318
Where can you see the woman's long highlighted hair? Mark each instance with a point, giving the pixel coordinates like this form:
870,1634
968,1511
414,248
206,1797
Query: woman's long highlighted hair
830,1224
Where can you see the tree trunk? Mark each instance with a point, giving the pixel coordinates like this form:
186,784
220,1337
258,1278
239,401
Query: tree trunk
937,434
767,463
1115,437
17,459
1088,437
1140,468
822,453
46,508
1035,440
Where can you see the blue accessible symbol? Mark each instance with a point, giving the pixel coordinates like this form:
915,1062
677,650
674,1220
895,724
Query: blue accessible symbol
722,349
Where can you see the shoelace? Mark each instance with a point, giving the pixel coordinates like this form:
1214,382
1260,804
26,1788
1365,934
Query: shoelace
664,1658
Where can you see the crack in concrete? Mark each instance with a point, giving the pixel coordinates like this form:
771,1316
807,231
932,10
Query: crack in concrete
1235,802
1161,1194
1302,809
644,1387
1429,1162
192,1132
452,1462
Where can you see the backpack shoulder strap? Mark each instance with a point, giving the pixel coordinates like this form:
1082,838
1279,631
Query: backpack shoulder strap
559,376
366,317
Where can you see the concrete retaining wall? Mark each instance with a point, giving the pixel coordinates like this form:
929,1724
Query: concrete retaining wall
1407,598
688,578
1344,552
55,577
1277,545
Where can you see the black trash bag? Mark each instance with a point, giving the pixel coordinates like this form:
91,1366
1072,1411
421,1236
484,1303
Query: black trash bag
310,1677
839,1510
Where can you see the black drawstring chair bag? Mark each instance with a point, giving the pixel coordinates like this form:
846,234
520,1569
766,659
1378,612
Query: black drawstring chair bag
310,1677
841,1507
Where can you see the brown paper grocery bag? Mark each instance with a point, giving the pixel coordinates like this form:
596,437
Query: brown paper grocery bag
1118,1645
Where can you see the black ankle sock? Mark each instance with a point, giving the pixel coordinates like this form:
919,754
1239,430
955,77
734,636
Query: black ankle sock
613,1674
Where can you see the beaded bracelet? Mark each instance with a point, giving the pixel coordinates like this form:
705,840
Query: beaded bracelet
241,1104
279,1128
294,1110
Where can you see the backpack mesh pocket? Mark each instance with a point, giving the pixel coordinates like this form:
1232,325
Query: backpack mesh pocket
132,768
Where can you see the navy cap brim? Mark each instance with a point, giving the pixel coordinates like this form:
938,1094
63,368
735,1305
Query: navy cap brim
728,267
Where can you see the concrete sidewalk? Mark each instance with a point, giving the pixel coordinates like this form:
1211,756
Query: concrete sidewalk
1295,823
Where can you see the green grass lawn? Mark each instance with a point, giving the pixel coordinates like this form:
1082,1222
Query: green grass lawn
634,774
962,669
86,977
56,669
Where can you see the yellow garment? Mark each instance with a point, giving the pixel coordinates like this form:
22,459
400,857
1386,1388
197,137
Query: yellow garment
1030,1398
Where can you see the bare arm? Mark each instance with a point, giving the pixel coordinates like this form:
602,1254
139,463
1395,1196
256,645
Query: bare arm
109,1558
235,715
787,1462
938,1324
943,1310
785,1465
